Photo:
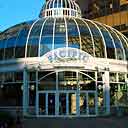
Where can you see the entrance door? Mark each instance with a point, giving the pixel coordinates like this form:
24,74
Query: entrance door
88,105
69,97
67,103
47,103
51,104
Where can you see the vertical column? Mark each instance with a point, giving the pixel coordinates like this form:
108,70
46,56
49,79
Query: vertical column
126,82
106,90
37,95
57,96
46,103
25,92
67,103
87,108
77,96
96,94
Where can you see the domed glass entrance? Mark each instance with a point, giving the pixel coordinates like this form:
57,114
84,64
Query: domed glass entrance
67,93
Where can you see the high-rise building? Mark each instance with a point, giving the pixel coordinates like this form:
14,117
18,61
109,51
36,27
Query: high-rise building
111,12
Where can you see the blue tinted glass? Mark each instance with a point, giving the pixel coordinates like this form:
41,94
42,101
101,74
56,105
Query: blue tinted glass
21,41
30,22
60,34
22,37
73,34
117,43
35,31
47,40
72,28
60,41
98,41
34,41
124,43
10,42
46,45
107,39
86,39
55,5
51,4
2,43
47,37
48,27
118,46
108,42
74,46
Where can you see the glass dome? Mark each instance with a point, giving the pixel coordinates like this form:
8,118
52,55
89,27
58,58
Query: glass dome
36,38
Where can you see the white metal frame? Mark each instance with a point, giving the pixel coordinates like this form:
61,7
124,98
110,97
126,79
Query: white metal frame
67,92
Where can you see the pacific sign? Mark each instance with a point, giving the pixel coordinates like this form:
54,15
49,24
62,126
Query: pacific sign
66,55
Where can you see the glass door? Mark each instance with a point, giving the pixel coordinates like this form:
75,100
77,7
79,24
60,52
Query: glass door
42,104
87,103
62,104
91,103
46,103
51,103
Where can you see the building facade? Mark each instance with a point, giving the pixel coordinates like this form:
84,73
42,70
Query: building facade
111,12
63,65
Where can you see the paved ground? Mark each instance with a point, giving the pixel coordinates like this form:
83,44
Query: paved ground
113,122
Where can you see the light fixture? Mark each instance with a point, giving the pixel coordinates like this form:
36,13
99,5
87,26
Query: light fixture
22,87
1,86
99,86
32,87
69,82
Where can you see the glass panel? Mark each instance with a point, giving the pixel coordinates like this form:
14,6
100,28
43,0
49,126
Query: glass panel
119,95
1,54
113,77
18,76
99,76
108,41
67,81
86,40
19,52
51,104
98,41
62,104
72,103
47,37
32,48
48,83
91,103
124,45
9,48
86,83
11,95
121,77
9,53
33,42
101,108
60,34
21,42
42,104
73,35
83,103
118,46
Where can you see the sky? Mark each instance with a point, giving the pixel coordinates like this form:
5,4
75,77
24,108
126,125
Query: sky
13,12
